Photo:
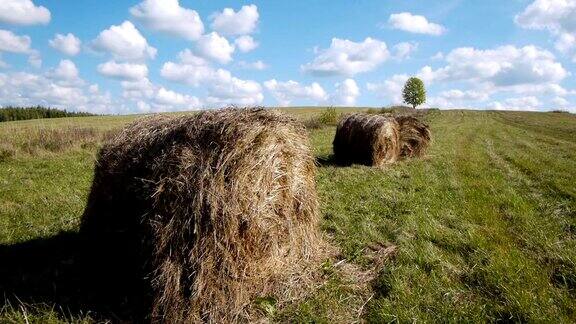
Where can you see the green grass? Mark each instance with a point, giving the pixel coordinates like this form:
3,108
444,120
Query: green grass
485,225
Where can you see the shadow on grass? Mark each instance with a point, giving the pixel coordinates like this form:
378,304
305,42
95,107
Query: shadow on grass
329,161
75,276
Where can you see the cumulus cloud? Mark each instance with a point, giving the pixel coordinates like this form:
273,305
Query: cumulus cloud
10,42
415,24
404,50
560,102
529,103
457,98
169,97
345,57
67,44
222,87
256,65
148,97
61,88
229,22
555,16
138,89
459,95
245,43
125,71
169,17
345,93
66,70
124,42
188,57
215,47
524,69
189,74
23,12
389,89
227,89
35,60
286,92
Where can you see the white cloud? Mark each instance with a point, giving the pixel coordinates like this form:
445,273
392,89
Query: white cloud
189,74
229,22
126,71
23,12
35,60
245,43
227,89
555,16
169,17
256,65
215,47
404,50
67,44
560,102
457,98
168,97
124,42
164,100
61,88
66,70
346,93
345,57
390,89
529,103
188,57
510,68
148,97
137,89
415,24
286,92
10,42
221,85
459,95
525,71
437,56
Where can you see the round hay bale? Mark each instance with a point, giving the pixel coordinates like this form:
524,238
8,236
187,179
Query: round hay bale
415,136
366,139
213,209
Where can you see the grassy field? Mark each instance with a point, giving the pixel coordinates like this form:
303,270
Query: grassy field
482,229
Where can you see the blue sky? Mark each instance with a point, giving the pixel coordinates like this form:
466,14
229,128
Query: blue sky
149,56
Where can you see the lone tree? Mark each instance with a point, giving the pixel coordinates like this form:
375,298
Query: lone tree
414,92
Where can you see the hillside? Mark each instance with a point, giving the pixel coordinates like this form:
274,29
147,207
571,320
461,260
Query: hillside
483,228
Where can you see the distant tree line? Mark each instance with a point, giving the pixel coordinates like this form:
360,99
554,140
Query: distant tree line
22,113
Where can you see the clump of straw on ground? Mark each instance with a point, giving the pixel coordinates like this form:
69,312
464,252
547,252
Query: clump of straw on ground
367,139
219,207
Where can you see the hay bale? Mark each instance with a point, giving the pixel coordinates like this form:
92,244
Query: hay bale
415,136
367,139
218,207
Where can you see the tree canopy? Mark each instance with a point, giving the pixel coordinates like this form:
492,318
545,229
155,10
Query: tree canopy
414,92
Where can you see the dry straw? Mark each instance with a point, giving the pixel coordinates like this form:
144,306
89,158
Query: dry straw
415,136
368,139
222,206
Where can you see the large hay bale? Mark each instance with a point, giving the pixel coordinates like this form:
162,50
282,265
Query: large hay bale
367,139
415,136
215,208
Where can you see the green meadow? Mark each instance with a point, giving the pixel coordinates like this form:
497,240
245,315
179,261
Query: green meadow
481,229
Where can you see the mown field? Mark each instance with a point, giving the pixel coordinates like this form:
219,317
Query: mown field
482,229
